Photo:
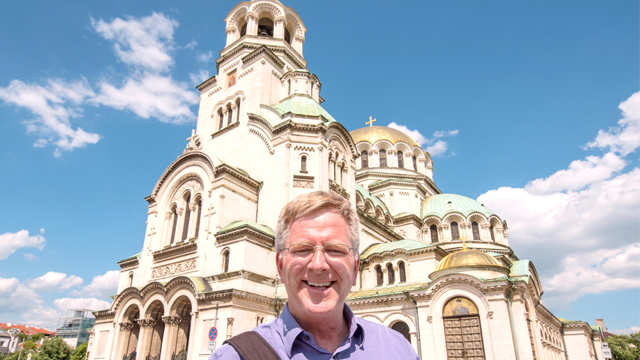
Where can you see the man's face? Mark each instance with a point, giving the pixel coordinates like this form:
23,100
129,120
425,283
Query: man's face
317,287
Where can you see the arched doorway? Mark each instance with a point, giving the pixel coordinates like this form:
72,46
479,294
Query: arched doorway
179,324
154,331
129,330
462,330
403,329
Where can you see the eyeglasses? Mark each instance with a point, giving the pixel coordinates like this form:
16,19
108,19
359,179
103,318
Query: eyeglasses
332,251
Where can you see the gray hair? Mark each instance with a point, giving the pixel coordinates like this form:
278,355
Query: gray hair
316,202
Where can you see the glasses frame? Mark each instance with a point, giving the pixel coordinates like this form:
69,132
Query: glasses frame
316,247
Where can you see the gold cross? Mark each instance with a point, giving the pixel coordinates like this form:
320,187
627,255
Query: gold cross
370,122
464,245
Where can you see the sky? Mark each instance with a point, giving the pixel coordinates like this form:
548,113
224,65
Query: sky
531,107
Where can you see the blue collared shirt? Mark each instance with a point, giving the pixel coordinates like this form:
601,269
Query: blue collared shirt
366,340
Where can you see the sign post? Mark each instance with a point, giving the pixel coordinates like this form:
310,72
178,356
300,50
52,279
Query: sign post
213,334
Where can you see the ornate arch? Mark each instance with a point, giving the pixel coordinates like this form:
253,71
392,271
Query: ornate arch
198,158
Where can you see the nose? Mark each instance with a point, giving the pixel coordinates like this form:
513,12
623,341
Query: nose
318,262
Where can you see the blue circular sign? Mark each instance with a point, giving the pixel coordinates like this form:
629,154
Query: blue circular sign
213,334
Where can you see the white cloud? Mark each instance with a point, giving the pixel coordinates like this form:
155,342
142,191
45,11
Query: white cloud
199,77
629,331
625,138
150,95
10,242
31,257
191,45
55,281
53,105
141,42
42,231
204,57
587,214
435,147
102,285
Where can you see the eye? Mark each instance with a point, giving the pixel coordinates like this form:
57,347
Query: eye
302,249
334,249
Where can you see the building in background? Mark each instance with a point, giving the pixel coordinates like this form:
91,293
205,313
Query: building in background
15,343
74,328
5,340
436,267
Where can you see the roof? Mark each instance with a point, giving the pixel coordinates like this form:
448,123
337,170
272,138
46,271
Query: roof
250,224
373,134
136,256
379,182
302,104
406,244
466,257
367,195
519,268
28,330
382,291
443,204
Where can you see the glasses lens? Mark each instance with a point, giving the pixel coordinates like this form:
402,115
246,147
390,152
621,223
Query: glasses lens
331,251
301,250
336,251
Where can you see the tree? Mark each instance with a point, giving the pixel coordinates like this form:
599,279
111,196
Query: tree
54,349
81,351
625,347
29,345
37,337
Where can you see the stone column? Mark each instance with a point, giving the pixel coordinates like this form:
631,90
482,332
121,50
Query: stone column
220,213
252,23
278,29
166,236
146,330
319,161
229,328
192,333
231,35
193,207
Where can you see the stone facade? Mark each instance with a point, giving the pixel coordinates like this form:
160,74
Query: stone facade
262,138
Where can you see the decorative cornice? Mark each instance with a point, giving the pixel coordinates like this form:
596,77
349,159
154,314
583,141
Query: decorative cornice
246,233
174,251
364,174
174,165
104,314
223,169
175,268
128,263
379,256
263,50
226,128
212,81
370,220
335,187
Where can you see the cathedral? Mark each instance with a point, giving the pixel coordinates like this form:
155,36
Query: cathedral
435,267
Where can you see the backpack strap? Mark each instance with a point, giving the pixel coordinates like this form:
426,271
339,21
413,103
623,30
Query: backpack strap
252,346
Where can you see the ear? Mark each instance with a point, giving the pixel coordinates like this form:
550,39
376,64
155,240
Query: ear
355,270
279,264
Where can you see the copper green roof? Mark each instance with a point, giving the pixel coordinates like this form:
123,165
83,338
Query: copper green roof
201,285
136,256
566,321
519,268
382,291
302,104
234,168
246,223
443,204
367,195
411,181
406,244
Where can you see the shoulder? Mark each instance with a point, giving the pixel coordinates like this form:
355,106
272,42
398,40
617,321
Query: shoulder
267,331
225,352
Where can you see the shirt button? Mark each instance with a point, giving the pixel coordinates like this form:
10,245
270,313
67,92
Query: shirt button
306,337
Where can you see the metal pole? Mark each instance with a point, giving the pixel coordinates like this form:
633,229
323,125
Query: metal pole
215,322
406,293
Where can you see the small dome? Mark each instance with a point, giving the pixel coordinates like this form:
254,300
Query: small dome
372,134
466,257
443,204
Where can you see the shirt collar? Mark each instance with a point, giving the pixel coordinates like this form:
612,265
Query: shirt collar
290,329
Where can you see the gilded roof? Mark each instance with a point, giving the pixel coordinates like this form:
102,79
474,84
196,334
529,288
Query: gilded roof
372,134
443,204
466,257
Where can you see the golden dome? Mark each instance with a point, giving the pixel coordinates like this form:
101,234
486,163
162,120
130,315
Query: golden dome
372,134
466,257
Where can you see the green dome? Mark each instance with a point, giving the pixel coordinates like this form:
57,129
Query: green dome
443,204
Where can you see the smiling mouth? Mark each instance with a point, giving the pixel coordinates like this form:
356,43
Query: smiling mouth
319,285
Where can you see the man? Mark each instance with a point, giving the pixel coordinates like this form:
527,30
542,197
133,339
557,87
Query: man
317,240
133,355
460,309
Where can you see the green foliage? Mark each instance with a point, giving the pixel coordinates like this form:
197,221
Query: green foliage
37,337
13,356
625,347
29,345
81,351
54,349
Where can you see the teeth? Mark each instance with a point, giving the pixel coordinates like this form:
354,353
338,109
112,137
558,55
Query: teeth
318,284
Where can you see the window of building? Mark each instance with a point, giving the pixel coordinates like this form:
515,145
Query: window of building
415,163
289,91
403,329
493,236
287,36
400,160
364,159
187,216
225,261
174,225
265,27
475,230
383,158
303,163
402,271
220,119
229,115
130,279
455,232
199,215
434,233
391,274
379,278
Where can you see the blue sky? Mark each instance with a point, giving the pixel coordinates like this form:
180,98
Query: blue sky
518,101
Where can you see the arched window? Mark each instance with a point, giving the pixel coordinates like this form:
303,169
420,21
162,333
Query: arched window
199,215
289,91
225,261
174,225
130,279
238,110
493,236
403,329
434,233
220,119
340,168
287,36
265,27
415,163
303,163
243,31
187,216
383,158
364,159
379,279
230,117
475,231
400,160
402,271
391,274
455,233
